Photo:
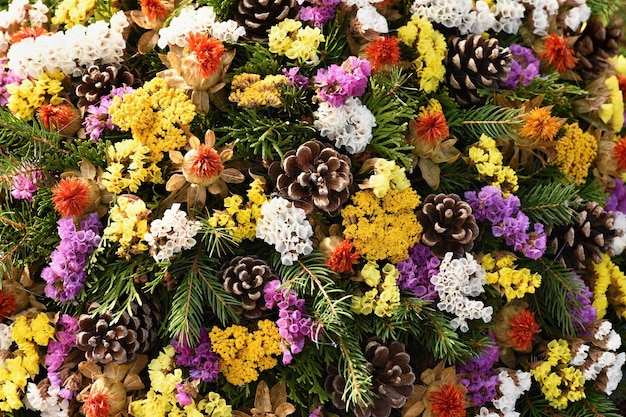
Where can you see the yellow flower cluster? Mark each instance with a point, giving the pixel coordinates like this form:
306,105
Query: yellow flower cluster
249,90
24,363
73,12
161,400
388,175
383,297
155,114
238,218
613,111
575,151
128,223
290,39
243,354
607,274
129,166
489,163
26,97
559,383
430,45
514,283
383,228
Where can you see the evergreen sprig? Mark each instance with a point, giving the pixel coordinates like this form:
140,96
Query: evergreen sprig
27,139
256,59
595,404
217,240
500,123
549,203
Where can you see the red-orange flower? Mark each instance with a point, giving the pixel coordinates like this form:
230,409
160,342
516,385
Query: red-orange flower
71,196
27,32
202,163
522,329
343,257
432,127
154,9
208,50
558,53
7,304
447,401
97,405
382,52
619,151
621,79
56,117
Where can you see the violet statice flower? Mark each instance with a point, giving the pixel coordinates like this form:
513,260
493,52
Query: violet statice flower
294,324
24,184
294,79
416,271
488,204
65,275
202,361
524,67
581,311
182,396
335,84
59,349
7,77
319,12
535,245
98,118
479,376
617,199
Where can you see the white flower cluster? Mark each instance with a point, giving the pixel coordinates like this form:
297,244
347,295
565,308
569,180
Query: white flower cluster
619,242
501,16
349,125
6,339
511,388
50,406
71,51
286,227
20,13
368,16
171,234
200,20
457,280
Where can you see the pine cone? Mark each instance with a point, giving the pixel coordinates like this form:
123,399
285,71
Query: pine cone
245,277
99,80
474,61
586,240
392,379
449,225
314,176
258,16
105,340
595,46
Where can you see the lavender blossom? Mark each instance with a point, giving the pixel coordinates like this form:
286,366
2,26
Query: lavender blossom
319,12
202,361
294,79
25,182
58,350
98,118
416,271
524,67
479,376
337,83
617,199
7,77
581,311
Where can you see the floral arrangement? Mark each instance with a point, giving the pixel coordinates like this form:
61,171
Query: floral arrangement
364,208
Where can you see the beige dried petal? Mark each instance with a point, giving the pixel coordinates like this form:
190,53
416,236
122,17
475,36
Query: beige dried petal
194,142
430,172
147,42
176,182
89,369
133,383
232,176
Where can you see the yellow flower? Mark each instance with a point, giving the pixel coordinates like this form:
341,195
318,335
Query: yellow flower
42,330
128,224
249,90
73,12
290,39
575,152
26,97
488,161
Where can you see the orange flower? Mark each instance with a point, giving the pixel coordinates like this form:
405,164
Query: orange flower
71,196
523,328
7,304
208,50
619,151
97,405
154,9
59,117
432,127
540,125
343,257
27,32
447,401
105,397
202,164
382,52
559,53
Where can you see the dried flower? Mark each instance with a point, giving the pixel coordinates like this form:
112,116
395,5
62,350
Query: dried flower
539,125
523,328
619,152
71,196
558,53
63,117
343,257
208,51
383,51
7,304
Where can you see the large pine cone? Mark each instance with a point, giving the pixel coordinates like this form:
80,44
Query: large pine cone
449,225
99,80
474,61
244,277
392,379
258,16
595,46
592,234
105,340
315,176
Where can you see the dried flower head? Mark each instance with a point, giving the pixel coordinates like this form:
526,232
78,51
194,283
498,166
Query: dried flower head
382,52
208,52
619,152
522,330
559,53
539,125
71,196
343,257
64,118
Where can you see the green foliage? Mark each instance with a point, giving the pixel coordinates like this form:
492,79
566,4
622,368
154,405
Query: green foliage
336,47
217,239
27,139
606,10
456,178
256,59
596,404
224,9
499,123
593,190
549,203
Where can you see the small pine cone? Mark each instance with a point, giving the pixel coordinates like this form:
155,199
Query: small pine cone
595,46
258,16
99,80
105,340
474,61
591,236
315,176
244,277
392,379
449,225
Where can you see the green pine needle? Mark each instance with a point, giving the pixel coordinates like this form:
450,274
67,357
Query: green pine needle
549,203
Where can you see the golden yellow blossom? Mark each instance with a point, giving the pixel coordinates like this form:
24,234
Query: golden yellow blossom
26,97
249,90
128,224
575,152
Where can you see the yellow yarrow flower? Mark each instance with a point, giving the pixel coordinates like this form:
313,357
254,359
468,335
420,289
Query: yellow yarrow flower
129,166
249,90
488,161
608,275
575,152
73,12
26,97
128,224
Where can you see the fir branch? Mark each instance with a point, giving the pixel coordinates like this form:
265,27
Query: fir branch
224,9
500,123
596,404
593,190
27,139
256,59
217,239
549,203
456,178
605,10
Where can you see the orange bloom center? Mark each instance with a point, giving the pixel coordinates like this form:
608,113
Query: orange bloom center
97,405
343,257
55,117
7,304
70,196
523,328
27,32
619,151
622,85
383,51
206,163
448,401
154,9
559,53
432,127
208,52
540,125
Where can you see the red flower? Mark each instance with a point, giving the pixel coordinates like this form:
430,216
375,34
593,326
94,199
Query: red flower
203,163
154,9
27,32
432,127
7,304
447,401
621,79
559,53
97,405
56,117
383,51
208,52
619,151
522,329
71,196
343,257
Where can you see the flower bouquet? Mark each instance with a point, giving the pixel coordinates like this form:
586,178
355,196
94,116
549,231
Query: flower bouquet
364,208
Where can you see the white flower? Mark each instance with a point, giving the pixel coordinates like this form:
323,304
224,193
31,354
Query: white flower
369,18
349,125
511,391
619,242
50,406
5,337
484,412
614,374
580,356
171,234
228,31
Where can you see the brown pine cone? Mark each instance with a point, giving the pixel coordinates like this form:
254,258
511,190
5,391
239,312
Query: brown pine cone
99,80
315,176
244,277
595,46
449,225
258,16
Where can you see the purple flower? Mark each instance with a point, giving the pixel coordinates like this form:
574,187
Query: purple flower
488,204
182,395
25,182
524,67
416,271
58,351
535,245
294,79
337,83
202,361
98,119
617,199
319,12
581,311
7,77
479,376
